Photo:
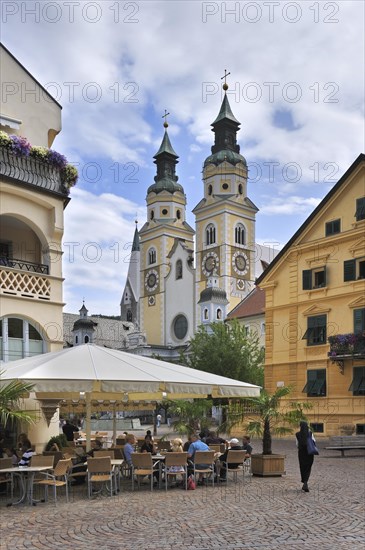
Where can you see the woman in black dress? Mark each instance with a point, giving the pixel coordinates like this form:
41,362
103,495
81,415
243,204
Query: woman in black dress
305,459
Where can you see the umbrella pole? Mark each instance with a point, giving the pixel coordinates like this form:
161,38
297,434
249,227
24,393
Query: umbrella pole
114,425
88,421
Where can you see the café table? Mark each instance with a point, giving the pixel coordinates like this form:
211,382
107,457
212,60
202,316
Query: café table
117,463
26,477
159,460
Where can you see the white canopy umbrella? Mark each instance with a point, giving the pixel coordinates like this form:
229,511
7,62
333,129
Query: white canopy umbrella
108,374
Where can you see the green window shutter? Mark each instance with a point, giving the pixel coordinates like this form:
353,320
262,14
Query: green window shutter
360,209
307,279
359,320
349,270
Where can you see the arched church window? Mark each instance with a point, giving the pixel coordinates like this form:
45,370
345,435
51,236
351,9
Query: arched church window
129,315
210,189
86,339
152,214
206,314
152,256
239,234
240,189
178,214
219,314
179,269
210,234
76,339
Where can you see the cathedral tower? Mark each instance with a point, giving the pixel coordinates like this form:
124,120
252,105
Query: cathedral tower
225,218
166,256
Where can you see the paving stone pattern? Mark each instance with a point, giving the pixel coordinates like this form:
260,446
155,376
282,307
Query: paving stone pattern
264,513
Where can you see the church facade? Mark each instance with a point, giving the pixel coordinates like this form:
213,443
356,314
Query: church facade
181,278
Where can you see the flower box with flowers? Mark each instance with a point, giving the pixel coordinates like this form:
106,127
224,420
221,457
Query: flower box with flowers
346,344
33,158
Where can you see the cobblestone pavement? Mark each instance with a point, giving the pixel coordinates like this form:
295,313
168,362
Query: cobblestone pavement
263,513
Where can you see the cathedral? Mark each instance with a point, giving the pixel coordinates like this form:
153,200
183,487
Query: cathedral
180,278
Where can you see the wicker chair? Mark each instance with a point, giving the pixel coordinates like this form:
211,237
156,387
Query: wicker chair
59,478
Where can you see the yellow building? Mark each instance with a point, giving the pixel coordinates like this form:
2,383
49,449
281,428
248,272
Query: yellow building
315,310
32,199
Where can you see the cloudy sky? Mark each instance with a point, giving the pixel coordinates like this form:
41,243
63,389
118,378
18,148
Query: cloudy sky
296,85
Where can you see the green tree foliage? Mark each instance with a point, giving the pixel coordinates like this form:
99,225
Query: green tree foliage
227,351
192,415
10,396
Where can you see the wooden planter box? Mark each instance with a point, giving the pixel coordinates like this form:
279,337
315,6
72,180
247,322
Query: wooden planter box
268,465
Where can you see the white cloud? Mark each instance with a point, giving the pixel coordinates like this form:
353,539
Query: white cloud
289,206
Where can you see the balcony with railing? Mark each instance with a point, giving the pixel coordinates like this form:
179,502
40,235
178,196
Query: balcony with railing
32,172
24,278
346,346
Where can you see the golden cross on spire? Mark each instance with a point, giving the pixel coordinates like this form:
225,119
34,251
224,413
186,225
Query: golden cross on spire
225,85
165,124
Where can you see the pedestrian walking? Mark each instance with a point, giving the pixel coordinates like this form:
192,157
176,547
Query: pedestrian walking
158,418
305,458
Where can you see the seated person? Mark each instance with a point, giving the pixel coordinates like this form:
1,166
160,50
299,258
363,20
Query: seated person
81,465
213,439
27,453
187,444
234,445
149,446
11,453
197,445
129,447
247,446
69,429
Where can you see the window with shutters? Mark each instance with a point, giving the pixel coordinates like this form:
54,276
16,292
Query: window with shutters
359,321
358,381
316,332
314,278
333,227
316,383
354,269
360,209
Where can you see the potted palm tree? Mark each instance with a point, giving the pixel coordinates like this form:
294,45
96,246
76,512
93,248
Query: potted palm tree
10,401
269,419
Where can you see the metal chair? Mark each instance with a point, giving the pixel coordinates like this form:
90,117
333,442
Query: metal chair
59,478
6,478
235,464
105,452
142,466
204,464
99,471
176,465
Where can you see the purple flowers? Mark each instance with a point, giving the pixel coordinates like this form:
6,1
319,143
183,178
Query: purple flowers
56,159
346,344
20,146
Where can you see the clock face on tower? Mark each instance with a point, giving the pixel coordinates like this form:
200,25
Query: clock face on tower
240,262
210,263
151,280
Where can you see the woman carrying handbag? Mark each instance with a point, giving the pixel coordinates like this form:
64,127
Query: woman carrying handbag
306,451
